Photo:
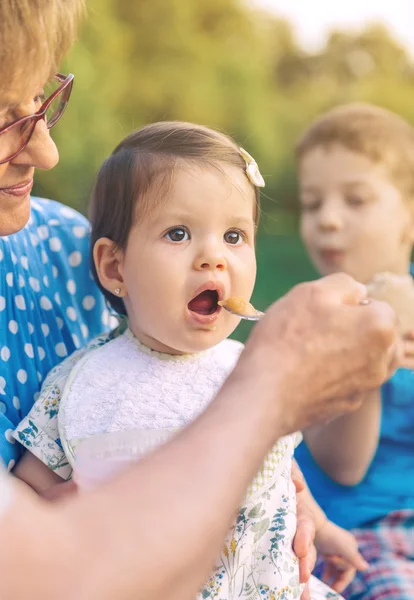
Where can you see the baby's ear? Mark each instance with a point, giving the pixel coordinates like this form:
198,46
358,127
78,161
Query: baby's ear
107,257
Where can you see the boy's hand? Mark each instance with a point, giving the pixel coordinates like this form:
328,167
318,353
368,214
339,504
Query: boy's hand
407,360
340,553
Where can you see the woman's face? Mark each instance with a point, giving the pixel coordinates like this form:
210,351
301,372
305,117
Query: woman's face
16,176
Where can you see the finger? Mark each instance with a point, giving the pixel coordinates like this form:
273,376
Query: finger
409,335
340,287
306,593
305,534
407,363
342,580
337,579
297,477
408,346
351,558
307,564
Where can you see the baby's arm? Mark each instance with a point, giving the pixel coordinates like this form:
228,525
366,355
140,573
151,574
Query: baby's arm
35,473
345,447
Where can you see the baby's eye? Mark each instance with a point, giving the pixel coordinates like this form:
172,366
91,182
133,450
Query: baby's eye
177,234
234,237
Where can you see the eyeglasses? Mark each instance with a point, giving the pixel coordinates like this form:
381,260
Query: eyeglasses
15,137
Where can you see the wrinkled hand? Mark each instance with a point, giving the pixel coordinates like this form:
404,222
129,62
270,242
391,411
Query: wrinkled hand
341,557
319,348
303,545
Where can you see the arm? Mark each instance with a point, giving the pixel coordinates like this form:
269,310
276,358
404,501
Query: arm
35,473
174,507
345,447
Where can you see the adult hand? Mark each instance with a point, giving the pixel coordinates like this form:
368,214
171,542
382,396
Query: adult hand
319,347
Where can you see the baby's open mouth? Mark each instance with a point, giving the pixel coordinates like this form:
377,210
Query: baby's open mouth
205,303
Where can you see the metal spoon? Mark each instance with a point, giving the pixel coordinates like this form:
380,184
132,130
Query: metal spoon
254,315
258,314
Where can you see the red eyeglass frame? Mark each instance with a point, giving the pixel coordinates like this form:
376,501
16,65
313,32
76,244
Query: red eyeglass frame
66,84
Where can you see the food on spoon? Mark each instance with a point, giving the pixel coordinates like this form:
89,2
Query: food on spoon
398,291
239,305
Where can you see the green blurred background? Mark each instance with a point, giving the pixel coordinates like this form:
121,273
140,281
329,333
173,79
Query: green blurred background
228,65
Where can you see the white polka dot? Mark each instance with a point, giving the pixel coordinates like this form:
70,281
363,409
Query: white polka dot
39,375
11,465
9,436
71,286
71,312
24,262
59,322
105,317
55,271
34,240
79,232
67,212
2,390
22,375
61,349
13,326
9,279
2,303
45,329
14,258
55,244
31,328
22,282
53,222
16,403
76,340
113,321
28,348
41,352
85,331
43,232
32,305
45,303
36,396
46,280
20,302
57,298
2,255
34,284
88,302
5,353
75,259
45,257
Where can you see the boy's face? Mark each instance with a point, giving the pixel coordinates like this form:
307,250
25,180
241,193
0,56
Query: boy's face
192,250
353,218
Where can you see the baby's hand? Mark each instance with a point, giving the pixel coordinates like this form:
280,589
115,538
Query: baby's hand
340,553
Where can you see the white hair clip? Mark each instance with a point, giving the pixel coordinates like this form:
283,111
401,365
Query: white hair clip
252,169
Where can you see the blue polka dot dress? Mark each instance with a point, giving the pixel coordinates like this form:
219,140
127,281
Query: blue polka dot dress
49,306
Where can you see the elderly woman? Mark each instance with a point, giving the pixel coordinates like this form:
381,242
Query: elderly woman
49,305
109,544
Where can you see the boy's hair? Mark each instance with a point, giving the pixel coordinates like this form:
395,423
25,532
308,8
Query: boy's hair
380,135
34,37
139,172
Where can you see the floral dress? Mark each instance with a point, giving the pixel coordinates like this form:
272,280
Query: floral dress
131,398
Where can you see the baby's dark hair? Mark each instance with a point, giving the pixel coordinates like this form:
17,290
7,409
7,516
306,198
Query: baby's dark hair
139,172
